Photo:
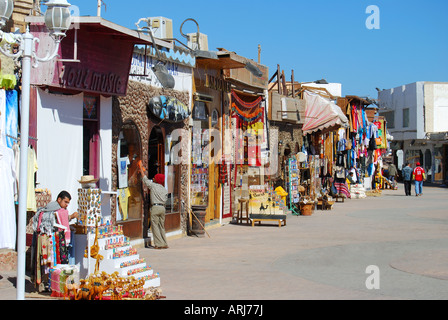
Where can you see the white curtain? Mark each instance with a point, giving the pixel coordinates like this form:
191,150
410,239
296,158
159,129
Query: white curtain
60,144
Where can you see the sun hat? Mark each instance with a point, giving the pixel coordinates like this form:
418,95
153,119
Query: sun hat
87,179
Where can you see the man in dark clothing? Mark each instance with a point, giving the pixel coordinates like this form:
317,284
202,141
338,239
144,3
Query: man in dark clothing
407,178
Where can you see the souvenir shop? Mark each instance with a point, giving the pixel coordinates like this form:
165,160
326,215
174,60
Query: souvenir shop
76,156
144,136
220,87
360,148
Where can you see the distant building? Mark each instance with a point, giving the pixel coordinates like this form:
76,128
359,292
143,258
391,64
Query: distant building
417,116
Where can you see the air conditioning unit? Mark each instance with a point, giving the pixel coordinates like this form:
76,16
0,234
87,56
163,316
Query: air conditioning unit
161,27
193,42
285,109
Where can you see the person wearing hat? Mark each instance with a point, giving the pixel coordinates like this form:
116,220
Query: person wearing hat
419,176
158,197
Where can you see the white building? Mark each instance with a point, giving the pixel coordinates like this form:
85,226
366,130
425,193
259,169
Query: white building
417,116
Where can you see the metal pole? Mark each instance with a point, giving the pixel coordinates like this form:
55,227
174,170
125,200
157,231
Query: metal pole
98,11
23,182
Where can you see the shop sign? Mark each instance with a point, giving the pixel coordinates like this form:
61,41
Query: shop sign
169,109
88,80
217,84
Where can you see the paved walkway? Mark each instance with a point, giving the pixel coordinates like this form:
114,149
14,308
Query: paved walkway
323,256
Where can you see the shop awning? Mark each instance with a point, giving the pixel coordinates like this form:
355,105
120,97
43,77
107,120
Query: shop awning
321,113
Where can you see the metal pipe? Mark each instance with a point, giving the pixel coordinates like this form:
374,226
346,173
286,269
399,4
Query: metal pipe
23,182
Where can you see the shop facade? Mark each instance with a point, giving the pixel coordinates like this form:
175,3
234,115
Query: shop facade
74,96
149,123
222,88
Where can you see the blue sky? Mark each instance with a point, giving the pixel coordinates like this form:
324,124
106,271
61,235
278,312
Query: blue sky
317,39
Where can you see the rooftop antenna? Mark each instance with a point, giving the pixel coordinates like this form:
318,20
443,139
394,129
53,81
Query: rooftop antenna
100,3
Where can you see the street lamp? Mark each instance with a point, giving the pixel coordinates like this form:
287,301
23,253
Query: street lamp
57,20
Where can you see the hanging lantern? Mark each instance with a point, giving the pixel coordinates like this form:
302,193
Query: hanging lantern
57,18
6,8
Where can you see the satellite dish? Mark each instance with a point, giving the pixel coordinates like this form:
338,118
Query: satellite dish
253,69
205,54
166,80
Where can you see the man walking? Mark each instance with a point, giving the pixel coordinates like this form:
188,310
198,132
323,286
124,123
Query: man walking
419,176
393,173
407,178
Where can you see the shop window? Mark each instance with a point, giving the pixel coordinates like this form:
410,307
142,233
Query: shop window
215,117
428,163
200,111
390,119
91,136
173,183
406,118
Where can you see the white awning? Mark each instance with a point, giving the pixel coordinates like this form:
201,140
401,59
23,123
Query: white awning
321,113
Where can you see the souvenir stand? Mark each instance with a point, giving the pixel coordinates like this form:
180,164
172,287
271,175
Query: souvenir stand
265,205
307,179
104,256
294,184
199,168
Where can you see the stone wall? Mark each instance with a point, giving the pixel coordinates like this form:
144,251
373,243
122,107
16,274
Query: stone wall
8,260
291,138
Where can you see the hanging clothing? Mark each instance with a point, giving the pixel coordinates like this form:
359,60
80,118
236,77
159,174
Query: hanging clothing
2,117
123,198
7,193
44,220
49,246
63,218
12,116
32,169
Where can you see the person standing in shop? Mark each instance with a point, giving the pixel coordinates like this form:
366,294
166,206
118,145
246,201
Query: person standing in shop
158,197
419,176
407,179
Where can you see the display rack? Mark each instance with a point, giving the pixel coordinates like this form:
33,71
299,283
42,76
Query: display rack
119,256
293,184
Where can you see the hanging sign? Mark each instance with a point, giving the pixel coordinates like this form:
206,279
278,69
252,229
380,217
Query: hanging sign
168,109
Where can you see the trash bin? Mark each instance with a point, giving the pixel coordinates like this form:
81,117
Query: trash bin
197,229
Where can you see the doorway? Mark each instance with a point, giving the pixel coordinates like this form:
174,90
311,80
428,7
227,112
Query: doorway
91,136
130,186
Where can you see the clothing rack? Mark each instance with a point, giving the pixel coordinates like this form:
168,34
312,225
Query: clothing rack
18,138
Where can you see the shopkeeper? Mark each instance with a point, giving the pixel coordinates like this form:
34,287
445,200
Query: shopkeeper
51,239
158,198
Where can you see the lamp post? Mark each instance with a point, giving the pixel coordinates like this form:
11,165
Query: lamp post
57,20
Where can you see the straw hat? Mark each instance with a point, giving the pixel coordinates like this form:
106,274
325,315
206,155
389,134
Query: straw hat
87,179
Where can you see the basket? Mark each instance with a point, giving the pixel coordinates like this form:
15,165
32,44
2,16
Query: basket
306,209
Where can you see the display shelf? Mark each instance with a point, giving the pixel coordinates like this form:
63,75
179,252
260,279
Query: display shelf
128,265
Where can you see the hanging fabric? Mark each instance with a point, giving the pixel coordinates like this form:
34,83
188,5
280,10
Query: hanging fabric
32,169
7,194
250,112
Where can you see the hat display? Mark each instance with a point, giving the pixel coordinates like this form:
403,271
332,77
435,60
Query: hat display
87,179
301,157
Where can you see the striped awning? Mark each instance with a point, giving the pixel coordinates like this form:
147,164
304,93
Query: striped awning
321,113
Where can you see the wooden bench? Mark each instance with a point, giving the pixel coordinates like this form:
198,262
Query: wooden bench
280,219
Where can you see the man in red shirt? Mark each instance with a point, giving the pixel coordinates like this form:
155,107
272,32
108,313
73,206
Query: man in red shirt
419,176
